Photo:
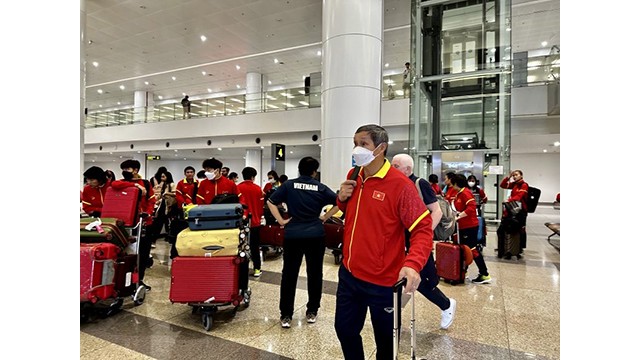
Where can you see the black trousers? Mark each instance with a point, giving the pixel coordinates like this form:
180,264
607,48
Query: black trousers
313,251
353,298
428,287
254,245
469,237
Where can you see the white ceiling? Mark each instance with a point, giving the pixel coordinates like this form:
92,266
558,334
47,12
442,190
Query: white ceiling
134,41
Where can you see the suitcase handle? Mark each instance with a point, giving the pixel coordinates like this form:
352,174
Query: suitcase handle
397,298
397,287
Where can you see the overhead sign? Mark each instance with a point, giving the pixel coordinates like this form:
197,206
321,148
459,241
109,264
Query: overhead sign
496,170
153,157
280,152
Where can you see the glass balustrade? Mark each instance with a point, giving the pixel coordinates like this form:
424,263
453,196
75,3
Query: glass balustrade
540,70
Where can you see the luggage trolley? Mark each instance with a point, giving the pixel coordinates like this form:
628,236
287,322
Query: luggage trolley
109,263
208,283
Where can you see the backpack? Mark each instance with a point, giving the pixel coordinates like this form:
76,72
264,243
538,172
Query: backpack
533,196
446,226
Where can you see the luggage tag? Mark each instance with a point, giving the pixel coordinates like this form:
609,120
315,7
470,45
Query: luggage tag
95,224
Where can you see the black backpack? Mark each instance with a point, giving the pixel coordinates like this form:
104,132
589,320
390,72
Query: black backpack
533,196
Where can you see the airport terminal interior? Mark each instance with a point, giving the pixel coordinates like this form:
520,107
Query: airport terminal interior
273,81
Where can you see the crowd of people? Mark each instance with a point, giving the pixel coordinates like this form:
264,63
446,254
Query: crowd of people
400,212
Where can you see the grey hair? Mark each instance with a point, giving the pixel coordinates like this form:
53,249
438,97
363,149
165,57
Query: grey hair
378,134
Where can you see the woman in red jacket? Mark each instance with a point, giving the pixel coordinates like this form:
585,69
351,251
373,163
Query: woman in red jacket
467,219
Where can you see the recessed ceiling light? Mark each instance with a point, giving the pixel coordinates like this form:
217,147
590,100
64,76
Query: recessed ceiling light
203,38
118,102
160,97
121,87
508,29
204,73
275,61
261,147
544,43
146,83
269,82
220,149
237,86
100,105
291,152
237,67
175,150
95,63
386,65
556,143
173,78
100,91
319,53
544,150
209,90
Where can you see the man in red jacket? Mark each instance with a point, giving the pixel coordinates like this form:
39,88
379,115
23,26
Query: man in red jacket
94,191
215,184
187,188
253,198
130,170
379,206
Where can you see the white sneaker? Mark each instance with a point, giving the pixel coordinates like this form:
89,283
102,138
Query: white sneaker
447,315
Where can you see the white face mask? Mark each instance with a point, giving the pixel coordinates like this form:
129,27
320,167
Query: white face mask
363,156
272,181
209,175
472,184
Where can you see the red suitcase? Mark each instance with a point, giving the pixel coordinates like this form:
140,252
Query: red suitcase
272,235
450,264
97,271
122,204
205,280
334,231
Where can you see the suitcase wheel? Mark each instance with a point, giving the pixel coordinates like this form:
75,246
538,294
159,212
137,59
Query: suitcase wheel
207,321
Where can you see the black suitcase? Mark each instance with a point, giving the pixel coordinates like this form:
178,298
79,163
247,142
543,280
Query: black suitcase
215,216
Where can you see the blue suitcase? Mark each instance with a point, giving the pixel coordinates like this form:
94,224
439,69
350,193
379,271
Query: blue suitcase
482,232
215,216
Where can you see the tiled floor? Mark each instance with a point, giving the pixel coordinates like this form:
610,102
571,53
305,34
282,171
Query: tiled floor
517,316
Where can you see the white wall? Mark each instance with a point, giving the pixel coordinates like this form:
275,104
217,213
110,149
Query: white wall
541,171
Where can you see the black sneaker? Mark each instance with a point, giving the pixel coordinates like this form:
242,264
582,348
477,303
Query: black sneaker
147,287
311,317
285,322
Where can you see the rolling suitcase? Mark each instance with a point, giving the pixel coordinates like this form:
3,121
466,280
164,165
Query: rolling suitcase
206,279
482,231
334,231
122,204
397,316
272,235
109,230
450,261
223,242
97,271
215,216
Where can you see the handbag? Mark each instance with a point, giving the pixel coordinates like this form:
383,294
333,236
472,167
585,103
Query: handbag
513,207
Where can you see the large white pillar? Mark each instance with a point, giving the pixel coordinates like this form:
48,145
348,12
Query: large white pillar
254,92
83,83
143,106
253,158
351,79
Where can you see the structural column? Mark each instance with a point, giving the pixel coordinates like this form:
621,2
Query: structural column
253,158
351,79
254,92
83,84
143,106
